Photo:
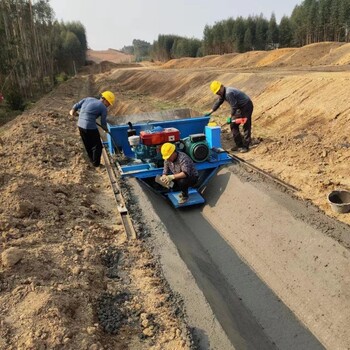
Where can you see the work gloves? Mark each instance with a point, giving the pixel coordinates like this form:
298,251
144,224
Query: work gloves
208,114
167,178
238,121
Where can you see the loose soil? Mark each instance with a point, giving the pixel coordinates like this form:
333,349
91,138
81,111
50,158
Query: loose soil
69,279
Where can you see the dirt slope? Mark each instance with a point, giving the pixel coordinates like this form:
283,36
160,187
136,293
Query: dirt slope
109,55
321,54
68,278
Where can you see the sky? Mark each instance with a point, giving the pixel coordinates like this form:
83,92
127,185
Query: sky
115,24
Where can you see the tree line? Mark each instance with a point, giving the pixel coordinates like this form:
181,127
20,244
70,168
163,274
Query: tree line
310,22
36,50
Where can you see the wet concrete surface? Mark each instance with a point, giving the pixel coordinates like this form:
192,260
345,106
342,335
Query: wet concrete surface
249,312
217,270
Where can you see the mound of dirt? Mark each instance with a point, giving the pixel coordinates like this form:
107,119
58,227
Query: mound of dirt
275,57
339,55
109,55
105,66
328,53
311,54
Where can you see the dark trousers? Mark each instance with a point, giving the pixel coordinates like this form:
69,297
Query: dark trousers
184,184
92,142
246,112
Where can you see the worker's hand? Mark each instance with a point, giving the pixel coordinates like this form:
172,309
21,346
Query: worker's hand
72,112
228,120
164,179
167,178
170,177
208,114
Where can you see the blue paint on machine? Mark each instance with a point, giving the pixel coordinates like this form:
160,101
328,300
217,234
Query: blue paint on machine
140,144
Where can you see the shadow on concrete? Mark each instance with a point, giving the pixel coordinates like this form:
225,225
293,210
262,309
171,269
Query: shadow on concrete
217,270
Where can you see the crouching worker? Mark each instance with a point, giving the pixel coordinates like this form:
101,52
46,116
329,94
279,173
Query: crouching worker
178,167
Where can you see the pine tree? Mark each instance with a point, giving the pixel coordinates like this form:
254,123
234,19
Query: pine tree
285,32
272,32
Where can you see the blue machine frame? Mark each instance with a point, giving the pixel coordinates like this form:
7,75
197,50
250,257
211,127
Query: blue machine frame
147,171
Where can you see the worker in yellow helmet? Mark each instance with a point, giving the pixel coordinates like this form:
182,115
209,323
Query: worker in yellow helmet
91,108
178,167
241,107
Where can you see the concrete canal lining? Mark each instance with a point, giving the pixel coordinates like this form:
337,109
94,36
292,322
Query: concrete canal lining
246,265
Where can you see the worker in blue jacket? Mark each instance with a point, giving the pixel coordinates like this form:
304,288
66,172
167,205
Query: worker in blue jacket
241,106
91,108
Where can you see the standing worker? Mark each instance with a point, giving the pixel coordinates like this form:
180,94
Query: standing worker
178,167
238,100
90,108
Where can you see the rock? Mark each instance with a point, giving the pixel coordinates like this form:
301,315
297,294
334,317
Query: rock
94,208
23,209
76,270
178,332
145,323
87,252
137,306
91,330
11,256
144,316
148,332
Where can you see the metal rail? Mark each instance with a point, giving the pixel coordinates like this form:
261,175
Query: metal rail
262,172
122,209
124,215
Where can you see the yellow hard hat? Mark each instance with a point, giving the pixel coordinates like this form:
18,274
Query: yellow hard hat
109,97
167,150
215,86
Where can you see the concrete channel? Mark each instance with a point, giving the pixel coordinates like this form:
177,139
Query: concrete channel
233,296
